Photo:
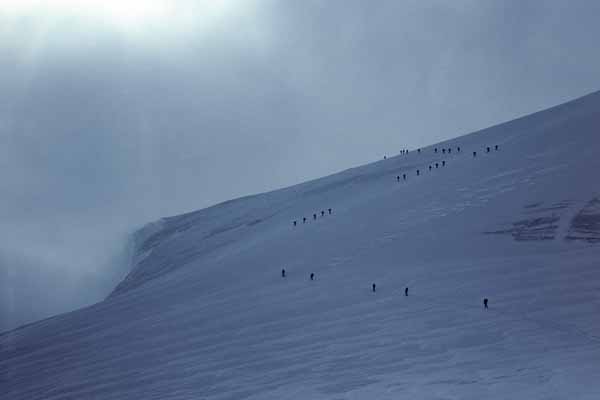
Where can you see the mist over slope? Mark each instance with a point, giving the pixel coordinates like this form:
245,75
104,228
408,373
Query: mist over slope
205,313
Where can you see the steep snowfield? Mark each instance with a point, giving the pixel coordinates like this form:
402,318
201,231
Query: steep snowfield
205,313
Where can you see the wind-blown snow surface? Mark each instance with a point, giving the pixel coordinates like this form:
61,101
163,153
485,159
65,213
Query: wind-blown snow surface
205,313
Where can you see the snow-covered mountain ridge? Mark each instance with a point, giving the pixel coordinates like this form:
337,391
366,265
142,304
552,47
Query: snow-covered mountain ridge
205,313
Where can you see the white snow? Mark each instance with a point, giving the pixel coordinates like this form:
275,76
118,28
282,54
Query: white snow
205,314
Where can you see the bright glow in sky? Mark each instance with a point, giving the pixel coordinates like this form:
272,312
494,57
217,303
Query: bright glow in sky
127,15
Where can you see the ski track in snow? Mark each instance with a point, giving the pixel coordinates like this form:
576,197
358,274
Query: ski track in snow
205,314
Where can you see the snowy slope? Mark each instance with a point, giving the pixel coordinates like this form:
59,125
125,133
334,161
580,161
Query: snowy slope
205,313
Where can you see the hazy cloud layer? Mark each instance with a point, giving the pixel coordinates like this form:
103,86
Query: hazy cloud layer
103,129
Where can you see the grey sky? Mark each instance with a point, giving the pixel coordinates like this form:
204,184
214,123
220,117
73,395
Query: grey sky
102,129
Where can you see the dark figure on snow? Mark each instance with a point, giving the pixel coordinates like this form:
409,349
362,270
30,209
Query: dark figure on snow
418,172
398,178
322,213
436,165
314,216
419,151
496,147
374,288
444,151
430,167
404,176
385,157
487,149
485,303
283,273
304,220
435,150
474,154
405,291
330,211
312,276
295,223
458,149
443,163
449,150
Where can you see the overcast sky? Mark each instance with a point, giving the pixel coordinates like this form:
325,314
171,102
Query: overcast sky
115,115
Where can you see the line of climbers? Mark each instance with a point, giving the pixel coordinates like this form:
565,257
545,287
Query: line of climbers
402,153
374,288
448,150
304,219
488,149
